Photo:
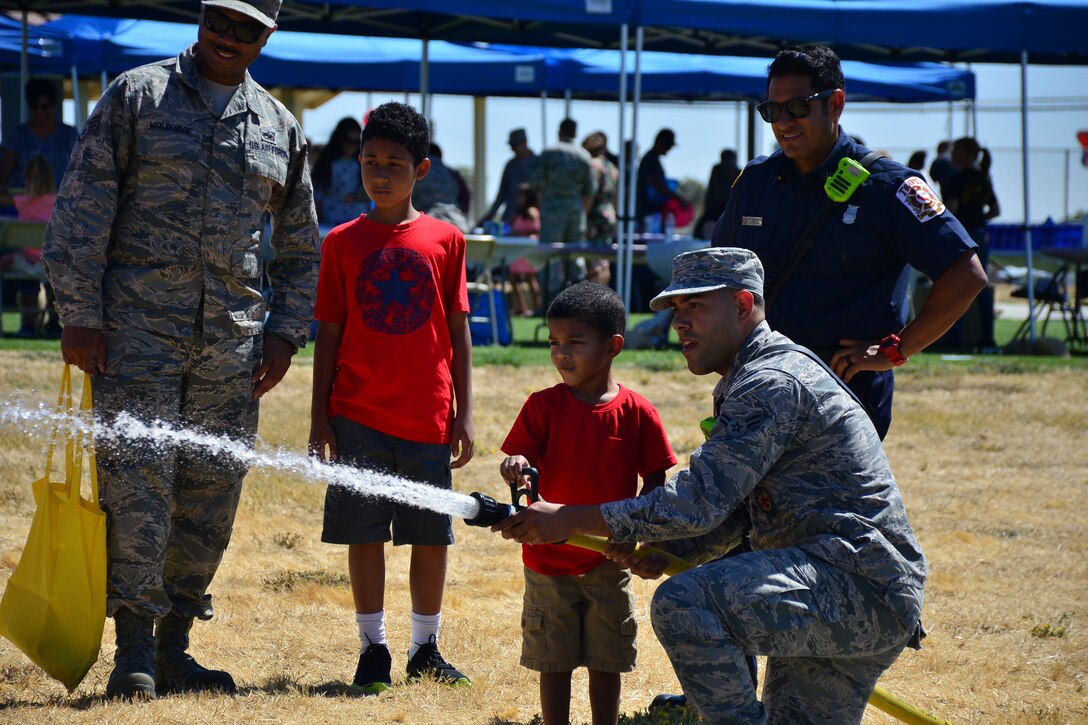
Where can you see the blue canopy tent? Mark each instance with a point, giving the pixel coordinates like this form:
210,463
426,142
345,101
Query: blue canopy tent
671,76
311,60
48,51
994,31
315,60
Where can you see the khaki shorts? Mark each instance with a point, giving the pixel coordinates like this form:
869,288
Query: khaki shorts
573,621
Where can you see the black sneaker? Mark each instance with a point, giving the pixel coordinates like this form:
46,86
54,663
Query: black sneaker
429,661
372,675
669,703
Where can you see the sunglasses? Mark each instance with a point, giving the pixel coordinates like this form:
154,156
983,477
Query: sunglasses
798,107
217,21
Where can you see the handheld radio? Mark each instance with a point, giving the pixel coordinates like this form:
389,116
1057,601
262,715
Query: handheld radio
848,176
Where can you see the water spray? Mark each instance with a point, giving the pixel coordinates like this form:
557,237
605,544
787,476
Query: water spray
165,435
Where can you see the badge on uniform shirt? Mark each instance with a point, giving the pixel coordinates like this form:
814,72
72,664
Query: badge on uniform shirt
751,221
919,199
739,427
764,502
268,135
850,215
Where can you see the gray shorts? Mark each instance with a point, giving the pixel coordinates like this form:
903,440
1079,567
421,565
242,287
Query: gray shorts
351,518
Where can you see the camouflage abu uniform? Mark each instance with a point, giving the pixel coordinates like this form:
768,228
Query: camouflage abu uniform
833,589
564,177
155,239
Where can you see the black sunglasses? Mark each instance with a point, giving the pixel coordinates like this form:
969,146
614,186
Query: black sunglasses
217,21
798,107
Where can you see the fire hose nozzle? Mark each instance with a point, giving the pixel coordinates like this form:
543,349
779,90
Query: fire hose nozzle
490,512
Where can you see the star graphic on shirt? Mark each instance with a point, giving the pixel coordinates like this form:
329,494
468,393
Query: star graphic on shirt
395,289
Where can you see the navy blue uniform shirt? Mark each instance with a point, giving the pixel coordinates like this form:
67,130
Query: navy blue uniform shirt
854,280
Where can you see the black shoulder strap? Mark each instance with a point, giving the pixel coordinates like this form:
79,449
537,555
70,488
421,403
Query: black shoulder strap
794,347
808,238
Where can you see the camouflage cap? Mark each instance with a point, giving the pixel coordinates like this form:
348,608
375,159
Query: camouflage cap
263,11
517,136
706,270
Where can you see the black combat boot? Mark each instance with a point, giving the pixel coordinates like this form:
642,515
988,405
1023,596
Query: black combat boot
177,670
134,662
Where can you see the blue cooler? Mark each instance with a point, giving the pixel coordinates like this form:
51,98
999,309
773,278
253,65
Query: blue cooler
488,317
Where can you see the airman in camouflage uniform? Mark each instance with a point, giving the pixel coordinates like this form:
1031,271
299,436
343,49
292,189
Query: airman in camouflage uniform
153,250
832,591
566,183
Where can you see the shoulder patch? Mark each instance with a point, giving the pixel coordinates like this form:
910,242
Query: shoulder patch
739,427
916,195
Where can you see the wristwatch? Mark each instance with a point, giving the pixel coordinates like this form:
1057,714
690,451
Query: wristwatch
889,347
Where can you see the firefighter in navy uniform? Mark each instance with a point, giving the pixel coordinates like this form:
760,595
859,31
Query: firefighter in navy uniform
847,298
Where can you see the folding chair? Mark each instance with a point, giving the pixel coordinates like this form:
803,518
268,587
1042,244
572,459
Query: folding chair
14,236
1051,297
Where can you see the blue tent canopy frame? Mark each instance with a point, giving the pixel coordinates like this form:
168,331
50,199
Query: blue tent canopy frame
312,60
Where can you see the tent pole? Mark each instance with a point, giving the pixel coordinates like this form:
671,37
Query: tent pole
104,79
1027,195
24,70
736,127
973,108
567,103
621,198
543,119
637,97
479,177
425,81
1065,186
751,130
77,103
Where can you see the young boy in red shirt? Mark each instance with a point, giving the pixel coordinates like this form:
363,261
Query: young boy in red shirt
392,388
591,439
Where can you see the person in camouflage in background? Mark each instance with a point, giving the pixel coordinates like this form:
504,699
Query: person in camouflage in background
565,180
832,591
154,250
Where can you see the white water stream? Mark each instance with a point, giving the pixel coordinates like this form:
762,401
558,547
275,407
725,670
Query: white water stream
44,420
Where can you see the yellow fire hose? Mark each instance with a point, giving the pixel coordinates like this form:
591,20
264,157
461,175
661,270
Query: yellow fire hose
881,699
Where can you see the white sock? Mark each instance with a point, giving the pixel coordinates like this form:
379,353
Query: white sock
371,628
424,627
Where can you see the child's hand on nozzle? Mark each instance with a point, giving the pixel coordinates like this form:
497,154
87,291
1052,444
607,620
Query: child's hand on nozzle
512,467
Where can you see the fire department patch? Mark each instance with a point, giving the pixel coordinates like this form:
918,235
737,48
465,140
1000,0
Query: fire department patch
396,290
920,199
764,502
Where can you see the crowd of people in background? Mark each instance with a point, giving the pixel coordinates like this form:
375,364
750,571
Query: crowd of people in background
566,194
35,156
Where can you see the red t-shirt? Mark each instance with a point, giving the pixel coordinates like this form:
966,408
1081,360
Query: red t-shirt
586,454
393,289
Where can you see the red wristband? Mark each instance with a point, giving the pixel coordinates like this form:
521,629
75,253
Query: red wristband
889,347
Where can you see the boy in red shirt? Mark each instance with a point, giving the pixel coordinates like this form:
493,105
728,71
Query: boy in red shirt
591,439
392,388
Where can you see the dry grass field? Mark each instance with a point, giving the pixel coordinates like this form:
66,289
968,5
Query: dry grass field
993,467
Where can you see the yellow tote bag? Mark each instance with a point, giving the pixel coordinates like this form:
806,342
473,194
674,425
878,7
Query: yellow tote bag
54,605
